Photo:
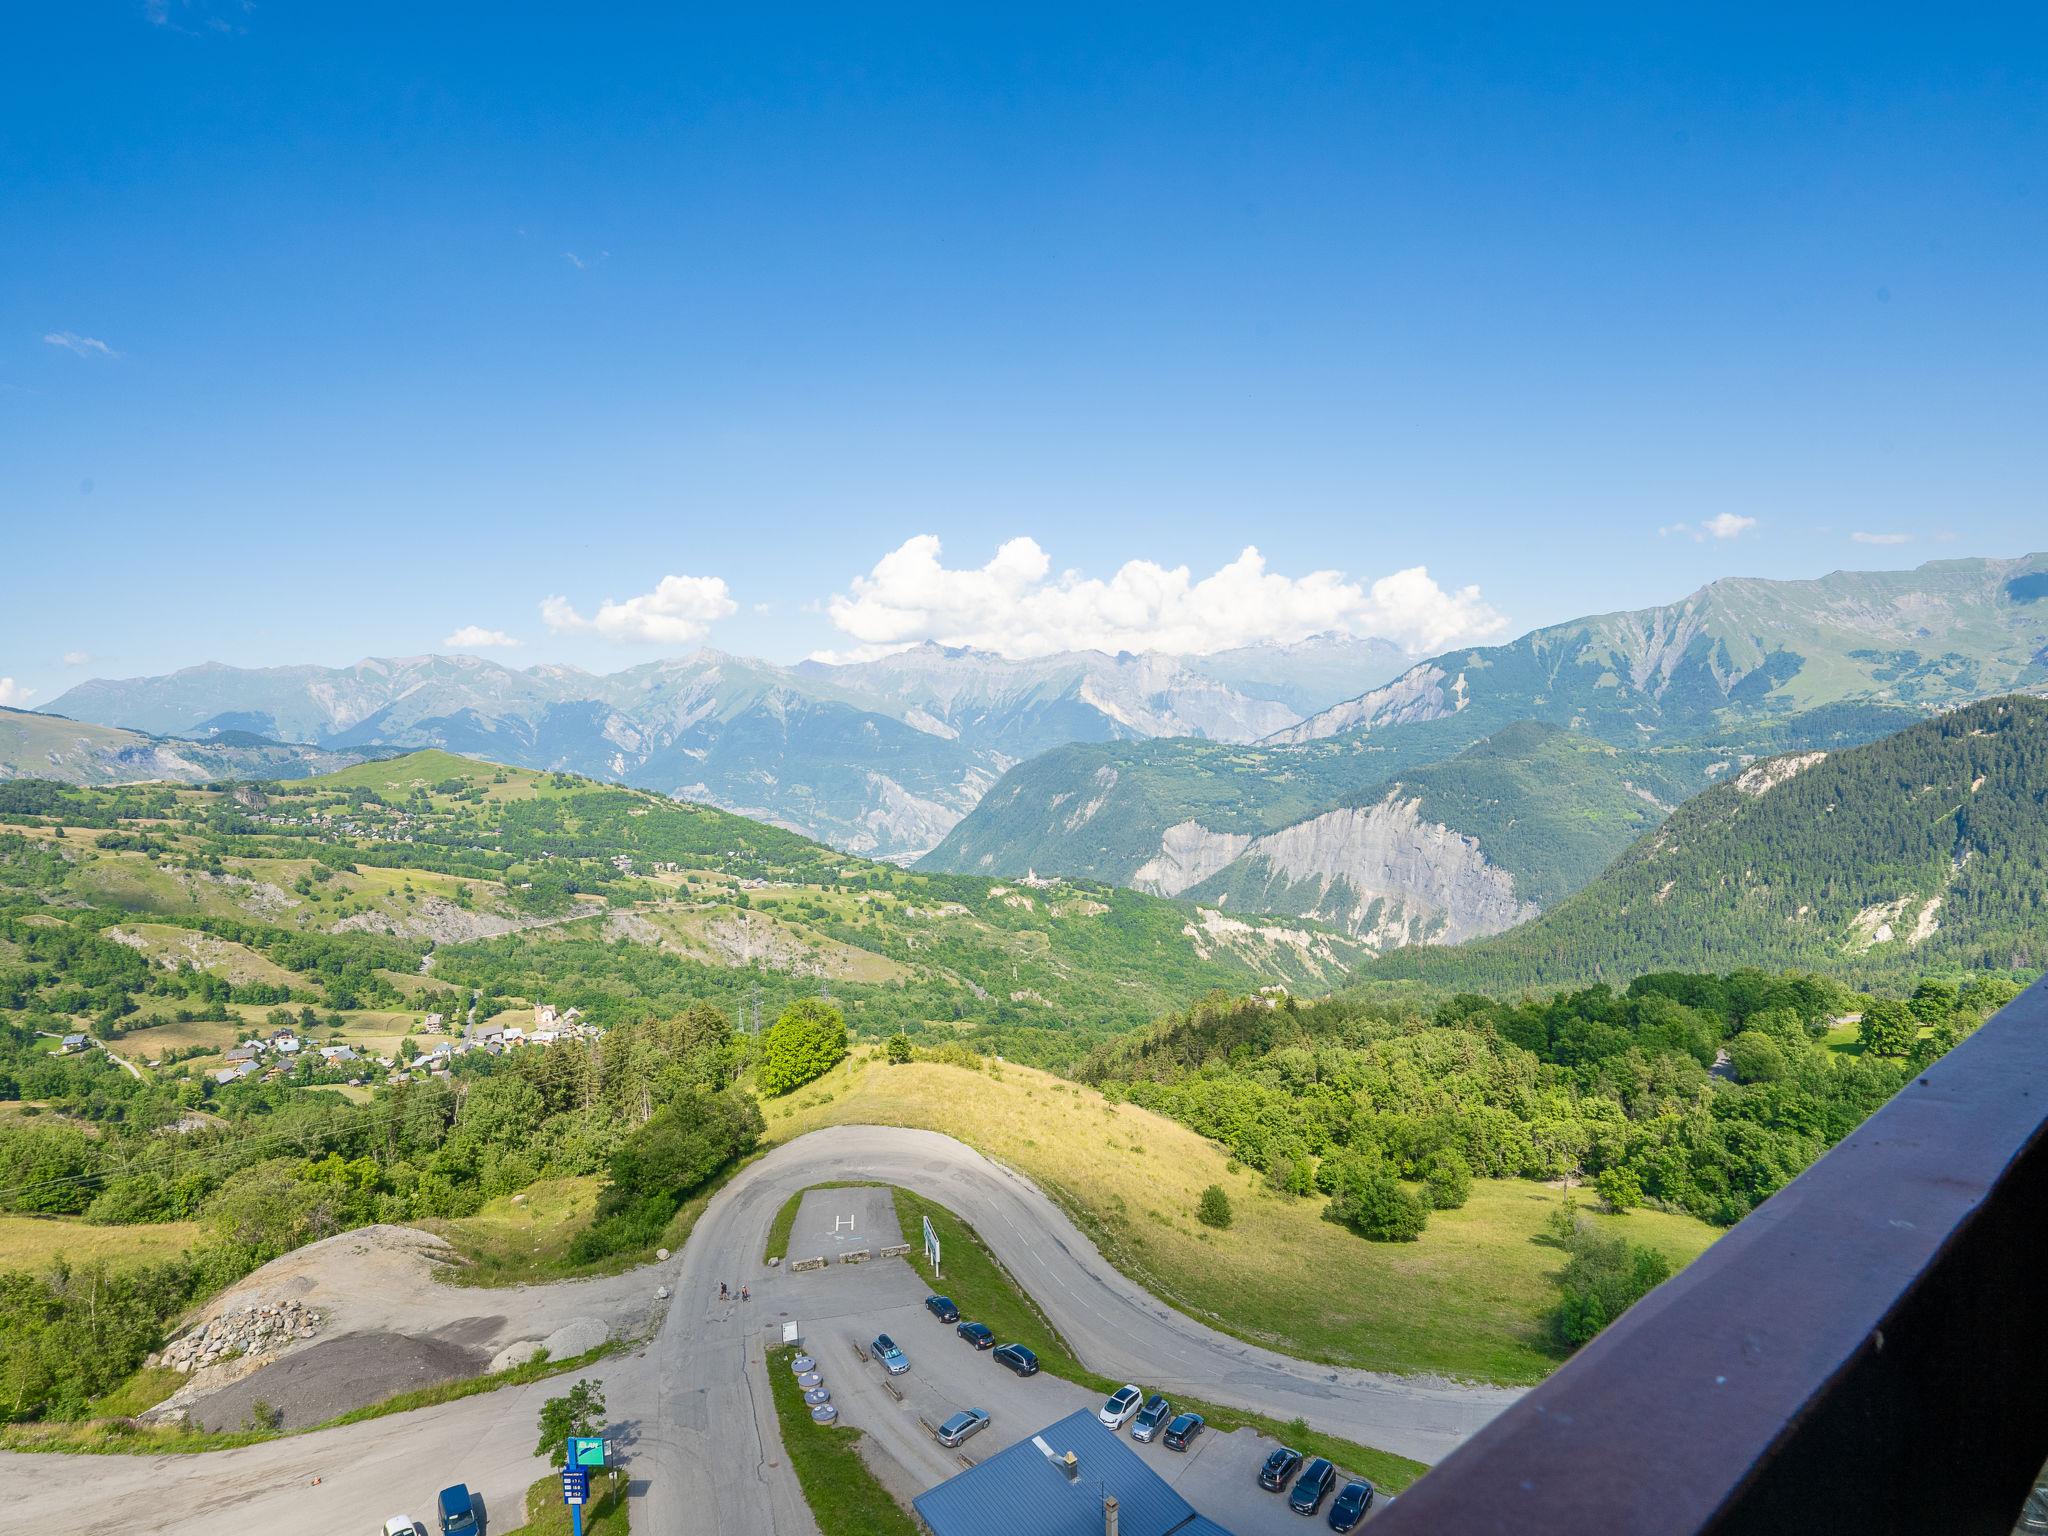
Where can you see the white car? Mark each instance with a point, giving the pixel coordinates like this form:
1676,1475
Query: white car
400,1525
1123,1403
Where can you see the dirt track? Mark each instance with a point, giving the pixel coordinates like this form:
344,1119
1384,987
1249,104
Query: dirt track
322,1381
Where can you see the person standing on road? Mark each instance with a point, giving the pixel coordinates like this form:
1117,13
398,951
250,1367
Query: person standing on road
745,1294
723,1293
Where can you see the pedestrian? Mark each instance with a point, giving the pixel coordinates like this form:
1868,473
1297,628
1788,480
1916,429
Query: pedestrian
723,1294
745,1294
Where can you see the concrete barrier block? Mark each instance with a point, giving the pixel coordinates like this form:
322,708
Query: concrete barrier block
893,1251
798,1266
856,1256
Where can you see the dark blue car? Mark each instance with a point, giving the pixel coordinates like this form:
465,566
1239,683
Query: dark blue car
1353,1500
1312,1488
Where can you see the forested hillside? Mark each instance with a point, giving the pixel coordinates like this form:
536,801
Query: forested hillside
1925,851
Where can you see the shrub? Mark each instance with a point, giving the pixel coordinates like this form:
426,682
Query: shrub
805,1043
1213,1210
1367,1197
1602,1279
1619,1188
1447,1181
898,1049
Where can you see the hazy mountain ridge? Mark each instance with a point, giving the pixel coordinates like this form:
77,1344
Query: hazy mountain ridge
879,758
77,752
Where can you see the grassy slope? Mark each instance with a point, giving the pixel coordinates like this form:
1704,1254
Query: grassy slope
31,1242
1465,1301
985,1292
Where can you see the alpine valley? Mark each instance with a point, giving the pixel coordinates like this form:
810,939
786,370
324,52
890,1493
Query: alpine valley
1481,786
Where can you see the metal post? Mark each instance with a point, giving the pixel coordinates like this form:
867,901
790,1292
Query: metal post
576,1518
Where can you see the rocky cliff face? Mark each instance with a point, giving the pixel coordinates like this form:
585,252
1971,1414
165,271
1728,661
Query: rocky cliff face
1382,873
1189,853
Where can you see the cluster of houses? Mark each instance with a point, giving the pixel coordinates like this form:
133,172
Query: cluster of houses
272,1057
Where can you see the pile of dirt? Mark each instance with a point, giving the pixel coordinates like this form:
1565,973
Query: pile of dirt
310,1386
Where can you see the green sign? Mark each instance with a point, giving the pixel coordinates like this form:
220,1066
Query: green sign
588,1452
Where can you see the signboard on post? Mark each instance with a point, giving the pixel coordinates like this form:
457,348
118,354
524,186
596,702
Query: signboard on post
589,1451
575,1485
931,1247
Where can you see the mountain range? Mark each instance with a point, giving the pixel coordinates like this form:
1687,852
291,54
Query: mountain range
48,747
1379,815
879,758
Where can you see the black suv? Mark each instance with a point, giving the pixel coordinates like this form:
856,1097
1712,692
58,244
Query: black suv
1278,1469
1017,1358
1353,1500
977,1334
1180,1434
1313,1487
942,1308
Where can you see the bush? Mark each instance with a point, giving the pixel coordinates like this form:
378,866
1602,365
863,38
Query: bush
1213,1210
1602,1279
898,1049
1619,1188
1447,1181
578,1415
1367,1197
805,1043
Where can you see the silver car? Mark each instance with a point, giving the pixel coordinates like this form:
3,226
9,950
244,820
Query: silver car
965,1424
1157,1411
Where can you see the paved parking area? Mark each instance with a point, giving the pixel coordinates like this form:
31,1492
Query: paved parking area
844,1305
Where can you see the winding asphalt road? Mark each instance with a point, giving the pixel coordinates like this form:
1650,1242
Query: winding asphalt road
691,1409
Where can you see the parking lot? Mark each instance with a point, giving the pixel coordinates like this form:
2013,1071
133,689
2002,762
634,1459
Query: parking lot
842,1306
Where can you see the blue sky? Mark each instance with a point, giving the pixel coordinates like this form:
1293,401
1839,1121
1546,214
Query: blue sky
331,331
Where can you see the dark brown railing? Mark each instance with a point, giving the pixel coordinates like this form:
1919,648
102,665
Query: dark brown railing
1867,1352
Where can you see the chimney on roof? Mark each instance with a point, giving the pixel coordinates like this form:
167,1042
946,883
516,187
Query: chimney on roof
1071,1465
1109,1516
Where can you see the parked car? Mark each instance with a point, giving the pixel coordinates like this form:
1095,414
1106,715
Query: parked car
942,1308
1312,1487
885,1349
399,1525
1180,1434
1123,1403
1017,1358
1157,1411
968,1421
1279,1467
1353,1500
980,1335
458,1512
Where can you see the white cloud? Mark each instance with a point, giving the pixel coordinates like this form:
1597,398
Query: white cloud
1015,605
679,611
474,637
78,658
84,346
13,695
1722,525
1881,538
585,263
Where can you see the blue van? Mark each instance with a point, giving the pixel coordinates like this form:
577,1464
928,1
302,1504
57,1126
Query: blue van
458,1512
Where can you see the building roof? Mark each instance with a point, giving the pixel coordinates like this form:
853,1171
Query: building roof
1024,1491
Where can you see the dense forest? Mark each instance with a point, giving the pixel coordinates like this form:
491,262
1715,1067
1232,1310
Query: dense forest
1926,851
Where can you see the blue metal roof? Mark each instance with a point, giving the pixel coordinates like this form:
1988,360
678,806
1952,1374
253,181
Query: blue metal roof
1022,1491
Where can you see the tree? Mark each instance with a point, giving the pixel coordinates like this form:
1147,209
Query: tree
806,1042
1889,1028
1756,1057
898,1049
1447,1180
1366,1196
1933,1001
1213,1210
578,1415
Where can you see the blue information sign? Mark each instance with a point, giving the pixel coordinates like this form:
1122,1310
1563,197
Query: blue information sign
575,1485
